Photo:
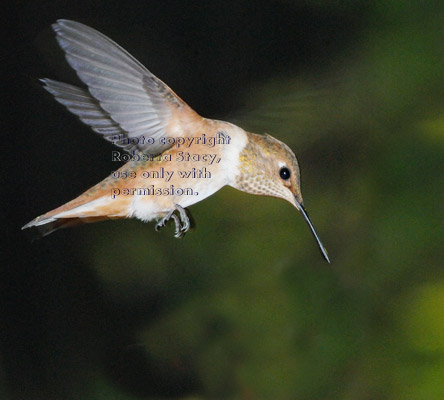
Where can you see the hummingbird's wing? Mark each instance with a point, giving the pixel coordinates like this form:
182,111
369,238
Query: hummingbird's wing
300,109
122,96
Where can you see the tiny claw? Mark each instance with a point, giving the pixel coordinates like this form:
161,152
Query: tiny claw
186,224
178,225
163,221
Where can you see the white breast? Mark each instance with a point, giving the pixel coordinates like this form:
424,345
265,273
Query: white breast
147,208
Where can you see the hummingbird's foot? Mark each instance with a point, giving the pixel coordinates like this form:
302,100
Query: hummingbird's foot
182,224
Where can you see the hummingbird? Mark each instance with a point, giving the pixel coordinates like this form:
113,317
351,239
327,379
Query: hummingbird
175,158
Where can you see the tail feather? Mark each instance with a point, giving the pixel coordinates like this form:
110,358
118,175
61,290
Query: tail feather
87,208
93,205
45,226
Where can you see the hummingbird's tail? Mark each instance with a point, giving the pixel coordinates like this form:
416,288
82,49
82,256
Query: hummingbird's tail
87,208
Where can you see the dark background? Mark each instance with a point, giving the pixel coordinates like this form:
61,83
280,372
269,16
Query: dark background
244,307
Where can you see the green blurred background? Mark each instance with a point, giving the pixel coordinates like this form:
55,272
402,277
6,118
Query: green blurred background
244,307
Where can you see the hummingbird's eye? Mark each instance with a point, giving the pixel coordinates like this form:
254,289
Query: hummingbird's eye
284,173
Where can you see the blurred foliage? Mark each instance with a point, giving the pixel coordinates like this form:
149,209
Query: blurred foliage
244,307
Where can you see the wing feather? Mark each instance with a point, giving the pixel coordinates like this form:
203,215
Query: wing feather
122,96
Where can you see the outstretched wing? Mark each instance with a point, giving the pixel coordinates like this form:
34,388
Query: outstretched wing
122,96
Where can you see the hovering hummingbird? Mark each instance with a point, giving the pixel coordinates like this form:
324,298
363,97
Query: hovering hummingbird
176,158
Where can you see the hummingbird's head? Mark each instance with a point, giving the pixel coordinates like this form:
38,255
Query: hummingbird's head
268,167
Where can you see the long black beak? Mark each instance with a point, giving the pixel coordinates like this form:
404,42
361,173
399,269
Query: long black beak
304,213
